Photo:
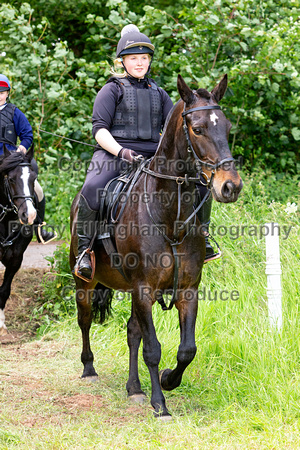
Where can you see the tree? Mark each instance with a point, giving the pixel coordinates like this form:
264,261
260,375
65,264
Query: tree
58,55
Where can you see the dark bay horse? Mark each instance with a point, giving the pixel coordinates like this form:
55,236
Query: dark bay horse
168,256
16,207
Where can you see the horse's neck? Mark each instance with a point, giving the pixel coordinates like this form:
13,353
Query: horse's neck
170,159
172,147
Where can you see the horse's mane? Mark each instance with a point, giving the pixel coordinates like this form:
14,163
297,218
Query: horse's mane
201,92
8,163
170,113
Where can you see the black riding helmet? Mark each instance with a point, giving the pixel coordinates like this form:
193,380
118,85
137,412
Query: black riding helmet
133,42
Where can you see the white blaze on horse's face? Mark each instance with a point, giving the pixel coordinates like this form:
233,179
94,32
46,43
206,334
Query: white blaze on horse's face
214,118
31,212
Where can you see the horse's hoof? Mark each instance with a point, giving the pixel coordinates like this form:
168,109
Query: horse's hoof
163,417
166,419
162,373
137,398
92,379
3,331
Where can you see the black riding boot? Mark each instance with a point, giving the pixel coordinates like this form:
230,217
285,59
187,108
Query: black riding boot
204,217
42,235
86,226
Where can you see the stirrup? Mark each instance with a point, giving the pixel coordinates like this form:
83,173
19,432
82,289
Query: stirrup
39,232
93,265
215,255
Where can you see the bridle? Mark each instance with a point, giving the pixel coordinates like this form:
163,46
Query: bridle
198,162
12,208
8,191
191,149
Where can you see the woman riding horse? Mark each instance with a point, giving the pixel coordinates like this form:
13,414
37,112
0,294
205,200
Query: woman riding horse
129,114
17,179
195,136
14,124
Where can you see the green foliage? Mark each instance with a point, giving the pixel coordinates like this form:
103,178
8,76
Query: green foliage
43,84
62,177
58,299
58,55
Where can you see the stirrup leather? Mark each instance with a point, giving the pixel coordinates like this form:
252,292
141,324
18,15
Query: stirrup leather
93,265
39,231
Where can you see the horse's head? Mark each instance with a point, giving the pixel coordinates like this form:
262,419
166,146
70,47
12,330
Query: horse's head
18,179
207,130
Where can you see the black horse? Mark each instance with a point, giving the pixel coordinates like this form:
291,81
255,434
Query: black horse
17,214
169,256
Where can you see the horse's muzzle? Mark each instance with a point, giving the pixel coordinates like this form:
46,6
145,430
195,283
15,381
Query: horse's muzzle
27,215
229,191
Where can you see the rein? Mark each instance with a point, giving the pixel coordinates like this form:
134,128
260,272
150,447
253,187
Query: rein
179,180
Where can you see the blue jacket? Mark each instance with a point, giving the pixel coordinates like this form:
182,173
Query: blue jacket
23,130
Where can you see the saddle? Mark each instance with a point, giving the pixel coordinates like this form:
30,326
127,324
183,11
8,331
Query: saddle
112,204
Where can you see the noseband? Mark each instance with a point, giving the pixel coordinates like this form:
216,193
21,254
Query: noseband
207,165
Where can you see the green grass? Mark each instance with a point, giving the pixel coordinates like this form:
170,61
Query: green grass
242,390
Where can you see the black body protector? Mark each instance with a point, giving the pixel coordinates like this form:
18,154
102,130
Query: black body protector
7,126
139,114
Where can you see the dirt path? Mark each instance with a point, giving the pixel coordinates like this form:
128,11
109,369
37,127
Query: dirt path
34,257
27,287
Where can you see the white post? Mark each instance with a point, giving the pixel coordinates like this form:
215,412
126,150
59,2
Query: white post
273,271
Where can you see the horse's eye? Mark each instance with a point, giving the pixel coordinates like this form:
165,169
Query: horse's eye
197,131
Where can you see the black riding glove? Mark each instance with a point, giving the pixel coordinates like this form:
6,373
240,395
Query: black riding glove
130,156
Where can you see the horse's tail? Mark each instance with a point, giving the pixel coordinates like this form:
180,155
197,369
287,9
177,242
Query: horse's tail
102,300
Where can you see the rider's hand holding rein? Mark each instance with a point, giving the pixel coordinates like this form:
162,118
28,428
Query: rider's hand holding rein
130,155
22,149
107,141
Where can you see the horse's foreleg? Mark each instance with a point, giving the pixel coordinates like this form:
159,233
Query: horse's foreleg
85,315
5,292
187,309
142,305
134,337
3,329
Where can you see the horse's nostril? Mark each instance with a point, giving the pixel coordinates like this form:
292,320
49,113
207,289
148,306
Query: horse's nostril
227,189
24,218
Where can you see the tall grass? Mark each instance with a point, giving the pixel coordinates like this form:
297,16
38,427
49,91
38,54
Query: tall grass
242,362
245,378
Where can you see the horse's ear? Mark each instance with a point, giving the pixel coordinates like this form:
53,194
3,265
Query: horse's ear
219,91
30,152
185,92
5,151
